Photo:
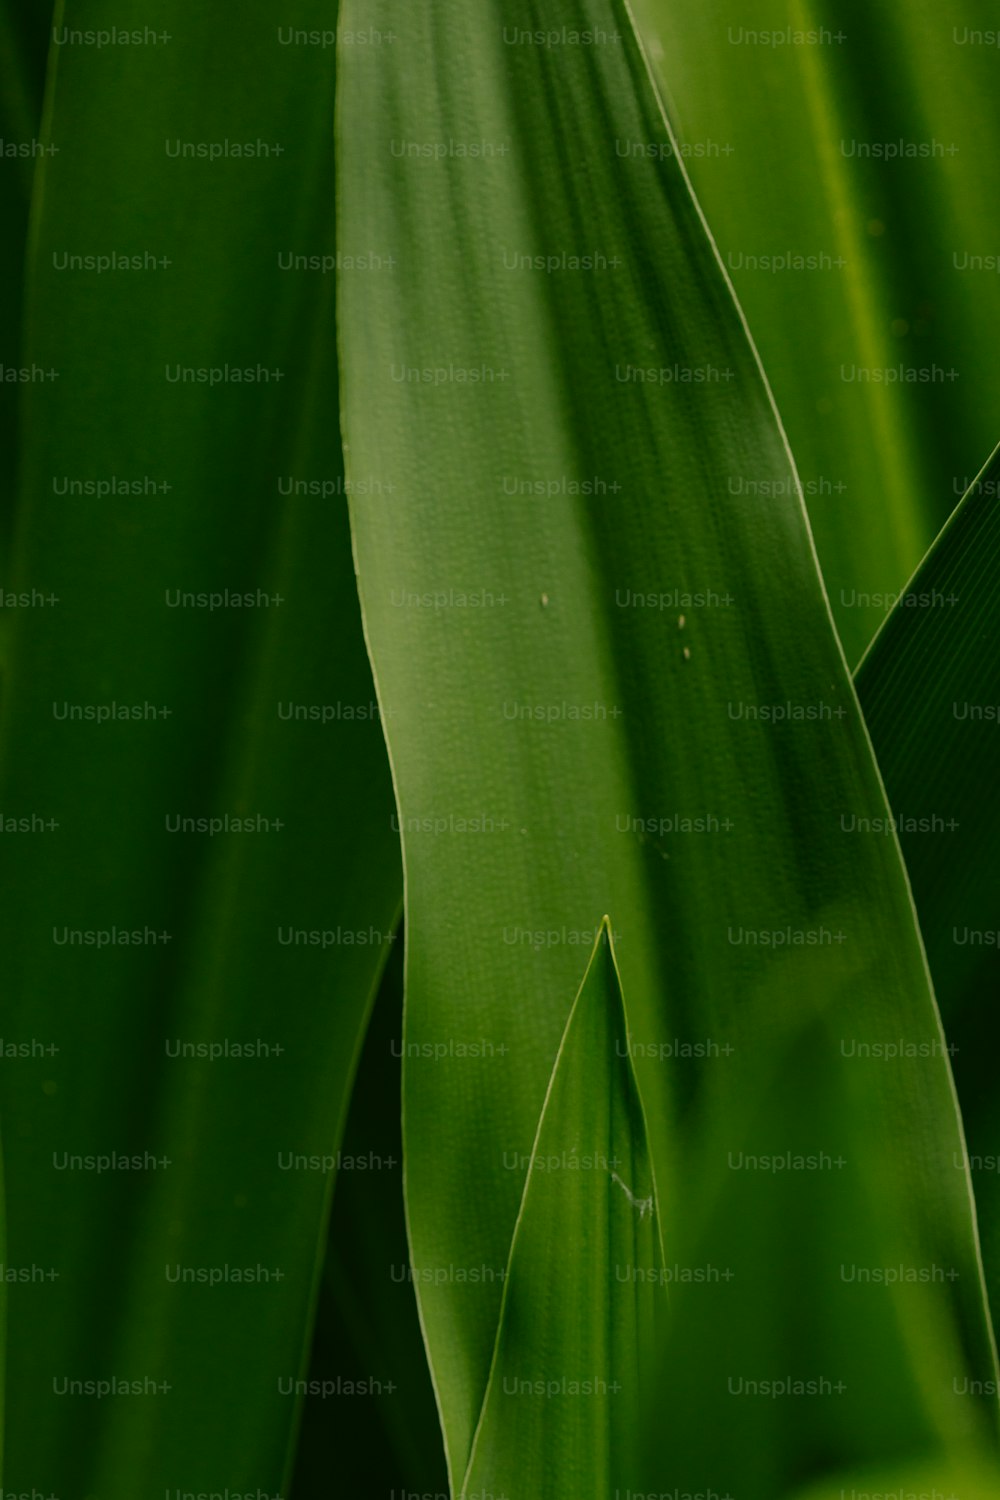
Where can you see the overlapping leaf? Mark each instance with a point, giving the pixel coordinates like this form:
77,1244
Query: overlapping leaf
367,1328
838,154
796,1248
930,689
584,1298
608,685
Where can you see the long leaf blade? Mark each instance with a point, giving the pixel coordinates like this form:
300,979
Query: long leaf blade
143,499
837,153
623,699
930,689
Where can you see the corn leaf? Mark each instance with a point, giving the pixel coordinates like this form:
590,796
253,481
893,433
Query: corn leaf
796,1248
367,1326
23,52
22,73
607,685
585,1288
930,688
133,699
837,152
969,1477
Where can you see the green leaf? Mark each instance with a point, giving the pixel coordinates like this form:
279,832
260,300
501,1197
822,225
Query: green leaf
930,689
968,1477
852,141
3,1310
808,1321
367,1326
623,695
24,37
223,736
21,76
584,1291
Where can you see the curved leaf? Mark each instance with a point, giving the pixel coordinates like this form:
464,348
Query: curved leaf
837,152
607,686
930,689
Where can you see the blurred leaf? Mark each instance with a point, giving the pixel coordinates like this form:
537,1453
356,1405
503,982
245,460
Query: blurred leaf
608,685
968,1477
797,1250
837,152
265,711
574,1351
24,43
3,1310
24,39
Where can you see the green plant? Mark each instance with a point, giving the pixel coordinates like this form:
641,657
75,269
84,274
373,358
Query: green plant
682,1145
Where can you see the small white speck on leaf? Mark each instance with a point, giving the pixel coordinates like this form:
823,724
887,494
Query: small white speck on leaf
644,1205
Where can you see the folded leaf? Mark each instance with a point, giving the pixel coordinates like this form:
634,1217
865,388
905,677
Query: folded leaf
585,1290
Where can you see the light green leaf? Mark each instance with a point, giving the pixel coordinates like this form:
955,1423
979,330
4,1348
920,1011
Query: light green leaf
808,1322
585,1290
837,152
608,686
968,1477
